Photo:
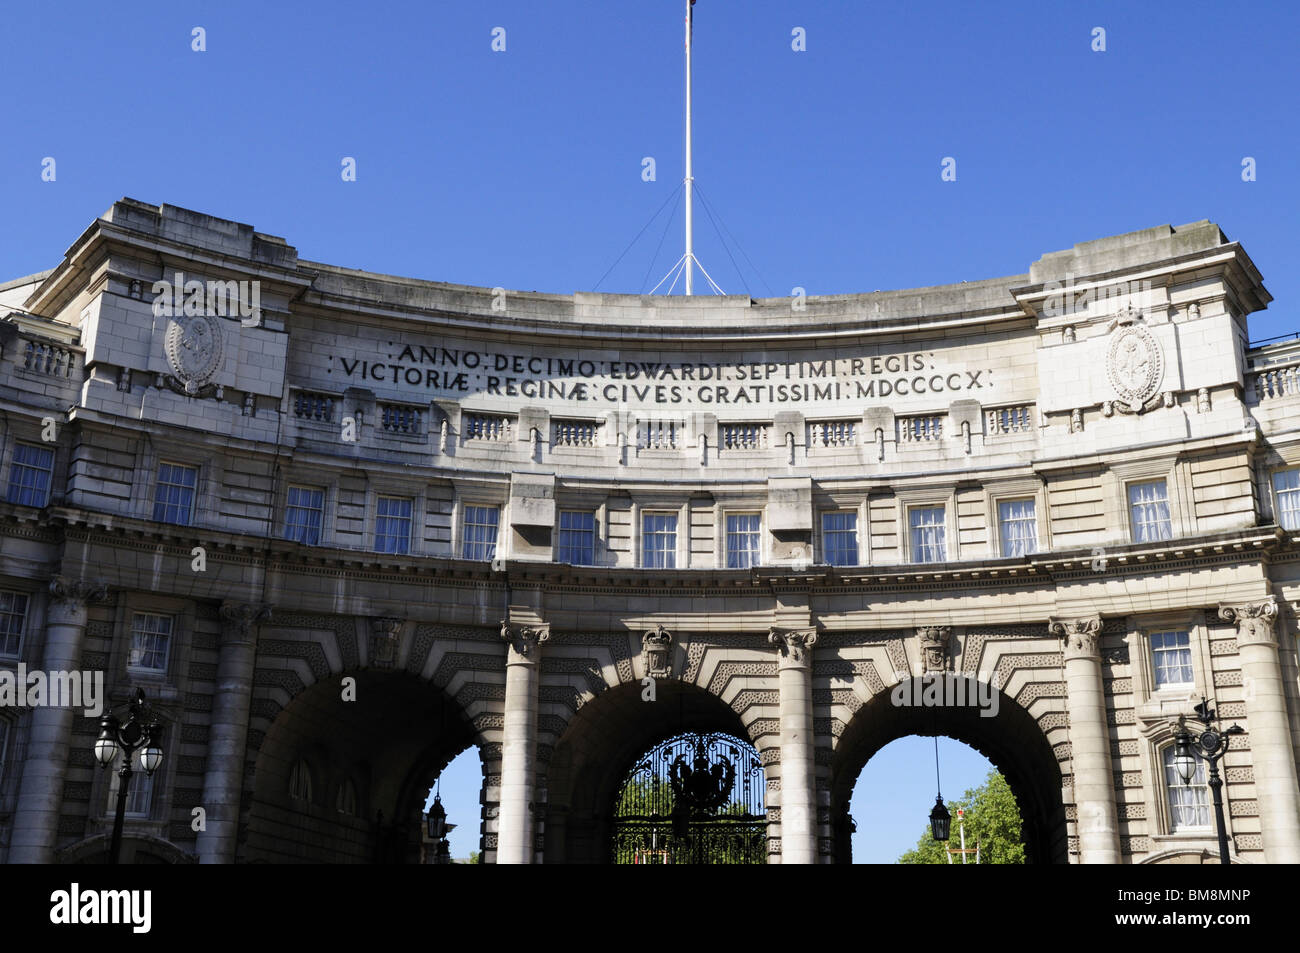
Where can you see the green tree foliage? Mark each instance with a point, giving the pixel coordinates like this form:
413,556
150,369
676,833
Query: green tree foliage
992,821
474,857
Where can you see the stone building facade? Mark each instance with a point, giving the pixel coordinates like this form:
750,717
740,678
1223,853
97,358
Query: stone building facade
341,526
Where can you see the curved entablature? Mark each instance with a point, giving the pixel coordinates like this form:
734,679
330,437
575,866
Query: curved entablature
425,418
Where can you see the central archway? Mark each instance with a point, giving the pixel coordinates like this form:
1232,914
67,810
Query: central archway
1004,732
601,746
696,798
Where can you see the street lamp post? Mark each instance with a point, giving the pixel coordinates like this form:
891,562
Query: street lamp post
138,731
1209,746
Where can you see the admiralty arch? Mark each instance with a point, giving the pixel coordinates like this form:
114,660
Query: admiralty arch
341,526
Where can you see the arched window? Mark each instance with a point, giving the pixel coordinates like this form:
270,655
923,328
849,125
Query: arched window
345,801
1189,802
300,781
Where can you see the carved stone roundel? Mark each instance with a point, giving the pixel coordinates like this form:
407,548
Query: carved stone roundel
1135,365
194,351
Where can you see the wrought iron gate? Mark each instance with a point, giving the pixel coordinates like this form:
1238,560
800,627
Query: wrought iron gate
693,799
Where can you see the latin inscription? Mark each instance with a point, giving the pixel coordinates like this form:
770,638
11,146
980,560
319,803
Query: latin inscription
454,371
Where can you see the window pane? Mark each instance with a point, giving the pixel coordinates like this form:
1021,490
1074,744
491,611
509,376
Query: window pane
304,513
173,500
1189,804
481,524
927,525
139,797
1019,527
1171,656
30,475
840,538
150,641
13,619
1286,485
659,541
1149,509
577,539
742,540
393,525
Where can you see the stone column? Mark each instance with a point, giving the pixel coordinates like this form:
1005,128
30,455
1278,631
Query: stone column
223,780
1271,752
519,742
36,816
798,773
1094,783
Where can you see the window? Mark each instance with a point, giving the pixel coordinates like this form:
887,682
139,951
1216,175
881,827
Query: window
1019,526
173,500
1189,807
659,540
1286,486
151,637
742,540
300,781
31,474
303,515
13,619
481,524
840,538
1149,508
927,531
393,525
139,797
1171,656
345,801
577,542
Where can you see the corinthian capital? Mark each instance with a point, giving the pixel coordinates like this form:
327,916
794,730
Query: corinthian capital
238,619
1082,636
69,596
524,638
1254,621
793,644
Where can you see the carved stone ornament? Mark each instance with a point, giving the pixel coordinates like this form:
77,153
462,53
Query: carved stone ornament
793,643
385,636
524,639
71,594
656,652
1135,364
1254,621
934,647
1203,400
239,619
194,349
1082,636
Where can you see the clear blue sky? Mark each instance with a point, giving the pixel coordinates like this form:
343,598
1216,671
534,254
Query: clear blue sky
523,168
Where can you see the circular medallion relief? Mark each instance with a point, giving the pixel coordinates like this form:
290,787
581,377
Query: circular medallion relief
193,346
1135,365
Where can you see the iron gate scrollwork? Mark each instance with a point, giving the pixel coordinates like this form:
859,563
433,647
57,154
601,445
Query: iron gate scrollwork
697,798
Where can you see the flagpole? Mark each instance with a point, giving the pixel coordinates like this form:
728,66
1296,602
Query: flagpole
689,180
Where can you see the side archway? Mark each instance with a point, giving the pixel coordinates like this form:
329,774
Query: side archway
344,781
1010,738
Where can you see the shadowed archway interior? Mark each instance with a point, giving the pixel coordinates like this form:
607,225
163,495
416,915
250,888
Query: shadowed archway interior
602,742
341,781
1011,739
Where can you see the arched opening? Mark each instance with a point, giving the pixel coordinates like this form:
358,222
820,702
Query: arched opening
997,727
600,749
343,773
895,793
695,798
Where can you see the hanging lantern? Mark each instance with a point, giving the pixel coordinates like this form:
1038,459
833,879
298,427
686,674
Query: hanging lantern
940,820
